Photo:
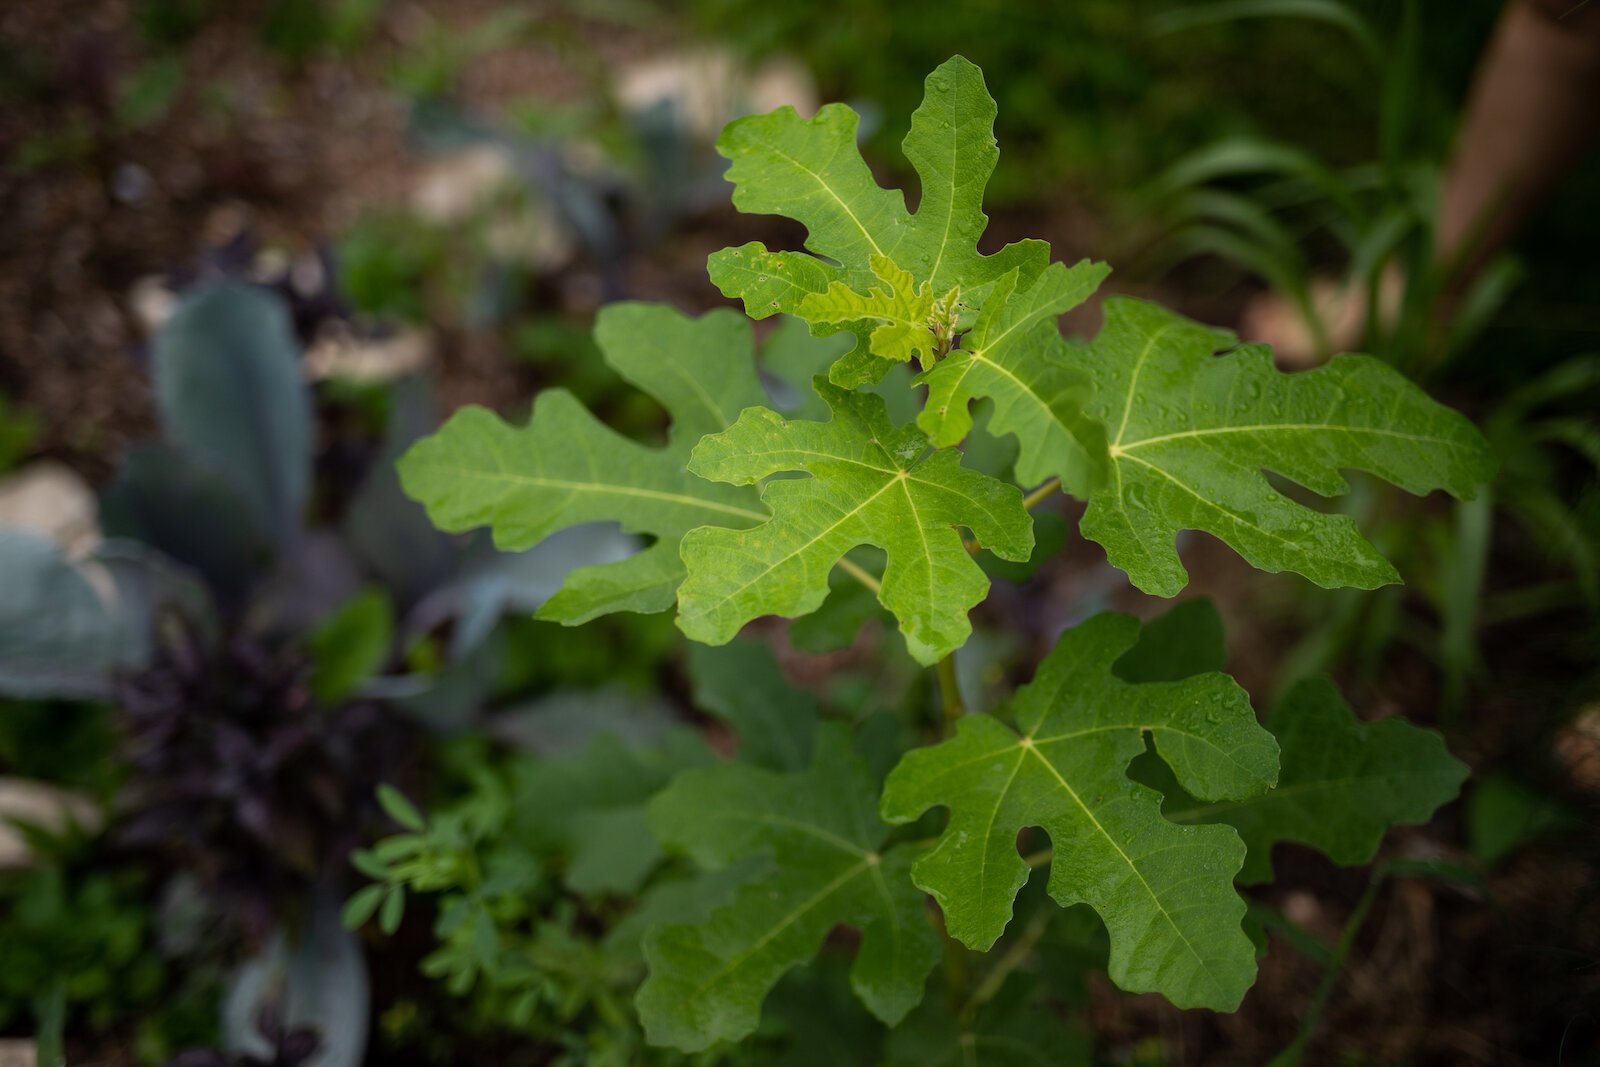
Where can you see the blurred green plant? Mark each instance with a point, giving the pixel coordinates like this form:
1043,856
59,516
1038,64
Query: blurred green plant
391,266
296,30
278,633
1548,437
528,874
1279,210
1333,958
300,29
67,743
88,104
146,97
1108,100
1505,814
80,942
18,431
173,22
431,67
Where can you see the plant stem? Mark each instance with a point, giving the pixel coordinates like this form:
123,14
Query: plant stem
1274,921
50,1018
1291,1055
955,966
1040,493
860,574
949,691
1035,860
1015,956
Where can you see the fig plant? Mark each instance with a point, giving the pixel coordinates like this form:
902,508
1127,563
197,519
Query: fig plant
1144,765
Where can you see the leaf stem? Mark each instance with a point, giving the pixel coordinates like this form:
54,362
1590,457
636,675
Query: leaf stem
957,969
1015,956
1035,860
949,691
1040,493
1295,1051
1291,1055
860,574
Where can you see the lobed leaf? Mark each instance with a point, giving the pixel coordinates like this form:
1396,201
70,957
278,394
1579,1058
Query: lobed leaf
1185,640
811,170
829,865
741,684
1015,355
1343,783
870,483
1001,1035
589,808
1164,891
902,310
565,467
1189,435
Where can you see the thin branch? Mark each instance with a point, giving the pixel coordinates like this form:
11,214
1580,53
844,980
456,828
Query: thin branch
949,691
1312,1016
860,574
1015,956
1040,493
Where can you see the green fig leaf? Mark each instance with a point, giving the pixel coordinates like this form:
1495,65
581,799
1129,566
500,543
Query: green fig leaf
1189,434
565,467
1164,891
870,483
830,865
811,171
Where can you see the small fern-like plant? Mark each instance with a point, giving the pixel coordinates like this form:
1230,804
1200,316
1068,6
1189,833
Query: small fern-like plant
1158,788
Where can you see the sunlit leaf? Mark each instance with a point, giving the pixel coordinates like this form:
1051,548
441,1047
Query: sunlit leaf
1015,355
1190,433
811,171
870,483
565,467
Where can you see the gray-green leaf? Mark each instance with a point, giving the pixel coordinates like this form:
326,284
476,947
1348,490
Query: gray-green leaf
231,394
57,636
